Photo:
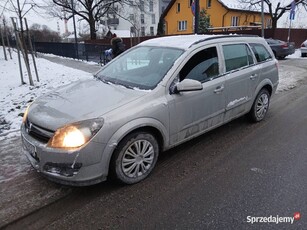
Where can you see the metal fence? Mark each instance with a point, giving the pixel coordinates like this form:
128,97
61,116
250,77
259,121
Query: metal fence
88,52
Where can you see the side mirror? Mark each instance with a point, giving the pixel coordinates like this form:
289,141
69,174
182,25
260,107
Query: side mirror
187,85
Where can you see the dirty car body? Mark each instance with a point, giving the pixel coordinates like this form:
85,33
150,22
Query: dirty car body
155,96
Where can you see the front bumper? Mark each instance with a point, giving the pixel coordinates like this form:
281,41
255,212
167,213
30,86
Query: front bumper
84,166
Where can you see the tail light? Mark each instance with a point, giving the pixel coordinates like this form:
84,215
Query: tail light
284,45
303,45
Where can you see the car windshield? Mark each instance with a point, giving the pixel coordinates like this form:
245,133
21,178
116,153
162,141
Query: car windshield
141,67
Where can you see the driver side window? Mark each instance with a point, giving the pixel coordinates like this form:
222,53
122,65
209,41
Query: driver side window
203,66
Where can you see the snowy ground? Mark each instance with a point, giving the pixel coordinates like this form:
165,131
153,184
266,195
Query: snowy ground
14,97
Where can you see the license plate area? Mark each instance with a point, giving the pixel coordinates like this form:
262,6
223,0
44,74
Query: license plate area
29,147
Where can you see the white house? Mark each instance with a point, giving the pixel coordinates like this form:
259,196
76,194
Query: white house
140,17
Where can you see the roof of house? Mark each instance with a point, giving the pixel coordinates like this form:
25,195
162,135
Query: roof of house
236,5
229,4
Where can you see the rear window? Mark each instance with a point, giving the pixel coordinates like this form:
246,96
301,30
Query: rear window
237,56
261,53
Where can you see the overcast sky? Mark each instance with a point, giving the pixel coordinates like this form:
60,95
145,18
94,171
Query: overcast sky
41,17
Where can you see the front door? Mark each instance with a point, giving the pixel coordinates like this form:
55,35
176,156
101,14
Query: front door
192,113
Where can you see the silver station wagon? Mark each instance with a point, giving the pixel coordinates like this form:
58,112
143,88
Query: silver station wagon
156,95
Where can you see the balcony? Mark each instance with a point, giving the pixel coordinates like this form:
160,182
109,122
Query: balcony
113,21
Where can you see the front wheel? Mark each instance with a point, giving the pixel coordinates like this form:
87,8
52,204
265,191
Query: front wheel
260,106
135,157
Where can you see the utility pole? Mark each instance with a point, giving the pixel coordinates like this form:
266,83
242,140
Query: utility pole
262,19
75,32
196,16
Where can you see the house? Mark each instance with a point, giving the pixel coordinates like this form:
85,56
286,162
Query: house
179,18
140,17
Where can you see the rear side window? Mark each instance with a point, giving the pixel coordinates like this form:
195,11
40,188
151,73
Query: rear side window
237,56
261,53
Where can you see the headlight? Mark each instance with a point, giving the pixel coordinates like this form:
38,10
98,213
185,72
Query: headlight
75,135
25,115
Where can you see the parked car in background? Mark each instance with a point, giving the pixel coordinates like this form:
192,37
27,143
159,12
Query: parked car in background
153,97
281,49
304,49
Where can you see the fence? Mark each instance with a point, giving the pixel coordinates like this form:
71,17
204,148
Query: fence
89,52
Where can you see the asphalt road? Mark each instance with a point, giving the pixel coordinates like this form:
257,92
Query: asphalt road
212,182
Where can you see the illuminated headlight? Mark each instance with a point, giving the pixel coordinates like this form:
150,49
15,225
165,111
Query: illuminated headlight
25,115
75,135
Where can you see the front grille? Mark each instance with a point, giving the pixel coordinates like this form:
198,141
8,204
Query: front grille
37,132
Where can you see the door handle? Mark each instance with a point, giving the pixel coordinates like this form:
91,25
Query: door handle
253,76
219,89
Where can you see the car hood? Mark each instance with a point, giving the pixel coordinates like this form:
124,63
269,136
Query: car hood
79,101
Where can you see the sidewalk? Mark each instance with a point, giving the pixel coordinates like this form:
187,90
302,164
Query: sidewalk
89,67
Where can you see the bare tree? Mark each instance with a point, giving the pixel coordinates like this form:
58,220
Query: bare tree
89,10
275,8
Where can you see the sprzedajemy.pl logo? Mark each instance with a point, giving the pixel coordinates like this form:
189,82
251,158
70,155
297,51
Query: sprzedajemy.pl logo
273,219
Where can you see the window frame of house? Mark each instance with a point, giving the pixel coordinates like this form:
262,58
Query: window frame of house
182,25
235,21
152,31
142,19
153,19
142,6
151,6
178,8
143,31
190,3
209,4
131,17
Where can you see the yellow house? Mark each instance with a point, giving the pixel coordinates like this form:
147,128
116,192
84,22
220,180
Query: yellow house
179,18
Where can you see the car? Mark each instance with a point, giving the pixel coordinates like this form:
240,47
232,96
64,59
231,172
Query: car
304,49
280,48
154,96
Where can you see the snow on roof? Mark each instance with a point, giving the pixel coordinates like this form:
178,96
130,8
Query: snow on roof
237,5
181,41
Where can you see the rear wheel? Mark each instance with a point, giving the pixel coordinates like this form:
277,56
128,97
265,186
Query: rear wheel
135,157
260,106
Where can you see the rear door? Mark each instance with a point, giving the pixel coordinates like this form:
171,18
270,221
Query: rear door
241,73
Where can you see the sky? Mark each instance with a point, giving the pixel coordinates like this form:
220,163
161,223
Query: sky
41,17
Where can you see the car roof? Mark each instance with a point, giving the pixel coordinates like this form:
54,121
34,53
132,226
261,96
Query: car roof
184,41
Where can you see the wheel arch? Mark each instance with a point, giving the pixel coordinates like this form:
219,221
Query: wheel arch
150,125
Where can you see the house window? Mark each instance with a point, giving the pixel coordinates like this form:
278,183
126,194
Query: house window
234,21
269,23
209,3
142,31
151,6
178,7
142,8
153,19
142,19
152,33
190,2
182,25
131,17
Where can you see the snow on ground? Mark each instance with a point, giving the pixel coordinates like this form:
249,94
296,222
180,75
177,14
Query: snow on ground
289,76
14,97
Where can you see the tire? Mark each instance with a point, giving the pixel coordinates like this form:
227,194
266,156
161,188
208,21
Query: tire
260,106
134,158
